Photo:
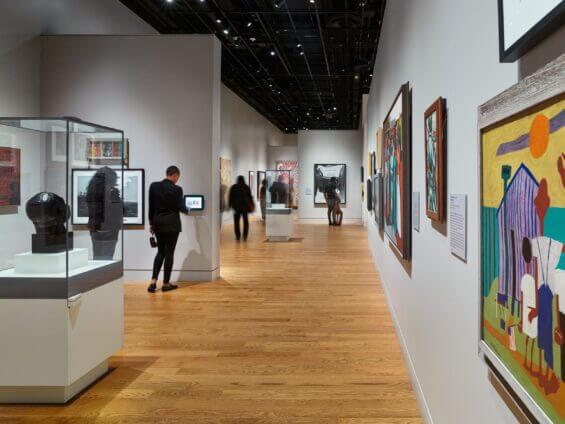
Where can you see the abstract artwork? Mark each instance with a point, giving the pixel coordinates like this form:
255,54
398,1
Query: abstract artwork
225,183
397,173
292,166
434,137
9,176
323,173
522,233
132,193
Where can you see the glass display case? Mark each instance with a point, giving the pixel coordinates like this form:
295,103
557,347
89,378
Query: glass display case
278,188
52,170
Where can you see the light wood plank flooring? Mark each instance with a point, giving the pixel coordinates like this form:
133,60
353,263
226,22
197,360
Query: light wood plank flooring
293,332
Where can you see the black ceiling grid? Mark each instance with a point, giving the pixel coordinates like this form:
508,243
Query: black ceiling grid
303,64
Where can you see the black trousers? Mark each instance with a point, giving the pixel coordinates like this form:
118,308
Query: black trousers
236,219
166,244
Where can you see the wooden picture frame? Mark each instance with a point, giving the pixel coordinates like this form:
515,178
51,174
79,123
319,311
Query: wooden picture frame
521,209
397,185
435,140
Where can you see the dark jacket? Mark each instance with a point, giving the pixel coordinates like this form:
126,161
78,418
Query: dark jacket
240,198
165,202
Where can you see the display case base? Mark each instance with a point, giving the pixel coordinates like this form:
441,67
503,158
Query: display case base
278,238
41,394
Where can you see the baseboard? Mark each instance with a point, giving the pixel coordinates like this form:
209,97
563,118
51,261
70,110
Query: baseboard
416,386
346,221
144,275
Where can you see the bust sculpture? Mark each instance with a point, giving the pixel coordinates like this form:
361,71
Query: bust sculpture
49,213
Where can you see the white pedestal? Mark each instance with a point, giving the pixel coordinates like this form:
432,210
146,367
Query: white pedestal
54,348
279,224
49,263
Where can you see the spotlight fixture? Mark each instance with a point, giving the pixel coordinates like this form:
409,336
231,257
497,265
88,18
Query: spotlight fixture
249,24
272,53
226,31
218,21
301,53
170,1
335,108
278,3
252,39
356,77
299,45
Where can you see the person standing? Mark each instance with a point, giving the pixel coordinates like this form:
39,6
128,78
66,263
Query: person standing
263,197
166,201
331,194
241,201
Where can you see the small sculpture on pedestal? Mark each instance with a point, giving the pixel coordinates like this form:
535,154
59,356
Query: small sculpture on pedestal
49,214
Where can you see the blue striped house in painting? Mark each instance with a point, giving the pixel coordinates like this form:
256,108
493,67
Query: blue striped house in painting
517,218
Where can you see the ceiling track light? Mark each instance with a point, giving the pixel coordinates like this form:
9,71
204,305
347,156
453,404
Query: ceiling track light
278,3
273,53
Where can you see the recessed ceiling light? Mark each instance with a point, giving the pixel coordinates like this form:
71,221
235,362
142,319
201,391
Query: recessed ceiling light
252,39
307,113
219,21
272,52
312,1
226,31
335,108
356,77
299,45
249,24
170,1
301,53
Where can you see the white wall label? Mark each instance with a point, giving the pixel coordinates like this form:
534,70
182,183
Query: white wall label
416,210
458,225
308,191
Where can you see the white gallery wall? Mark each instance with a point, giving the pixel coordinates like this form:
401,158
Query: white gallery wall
246,135
164,92
329,147
279,153
435,299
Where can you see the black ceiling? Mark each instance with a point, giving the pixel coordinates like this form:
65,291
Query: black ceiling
300,63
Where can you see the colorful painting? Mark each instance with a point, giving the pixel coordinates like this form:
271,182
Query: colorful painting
522,250
434,137
9,176
397,173
225,183
292,166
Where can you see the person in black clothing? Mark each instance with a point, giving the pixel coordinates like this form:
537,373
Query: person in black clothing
279,191
263,198
105,213
241,201
166,200
331,196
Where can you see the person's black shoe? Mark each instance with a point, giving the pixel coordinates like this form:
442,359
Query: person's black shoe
152,288
168,287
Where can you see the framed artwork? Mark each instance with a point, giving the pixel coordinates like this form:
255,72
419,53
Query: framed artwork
435,145
292,166
397,173
379,148
107,152
261,175
369,194
225,183
362,175
522,24
373,163
252,182
522,238
10,168
377,199
323,173
132,193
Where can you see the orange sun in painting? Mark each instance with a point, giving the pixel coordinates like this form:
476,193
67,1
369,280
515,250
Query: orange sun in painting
539,136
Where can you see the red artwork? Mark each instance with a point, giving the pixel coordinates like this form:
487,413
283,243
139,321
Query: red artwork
9,176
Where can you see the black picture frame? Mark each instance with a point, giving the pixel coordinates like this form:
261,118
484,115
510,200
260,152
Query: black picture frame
544,27
139,222
317,186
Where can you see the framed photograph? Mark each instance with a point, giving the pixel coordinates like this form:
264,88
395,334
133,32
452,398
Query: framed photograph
522,238
133,195
397,173
522,24
378,200
323,173
10,191
435,144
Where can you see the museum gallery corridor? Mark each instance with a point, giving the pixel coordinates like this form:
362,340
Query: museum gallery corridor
294,332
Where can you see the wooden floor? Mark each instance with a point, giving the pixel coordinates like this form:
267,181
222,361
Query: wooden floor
294,332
